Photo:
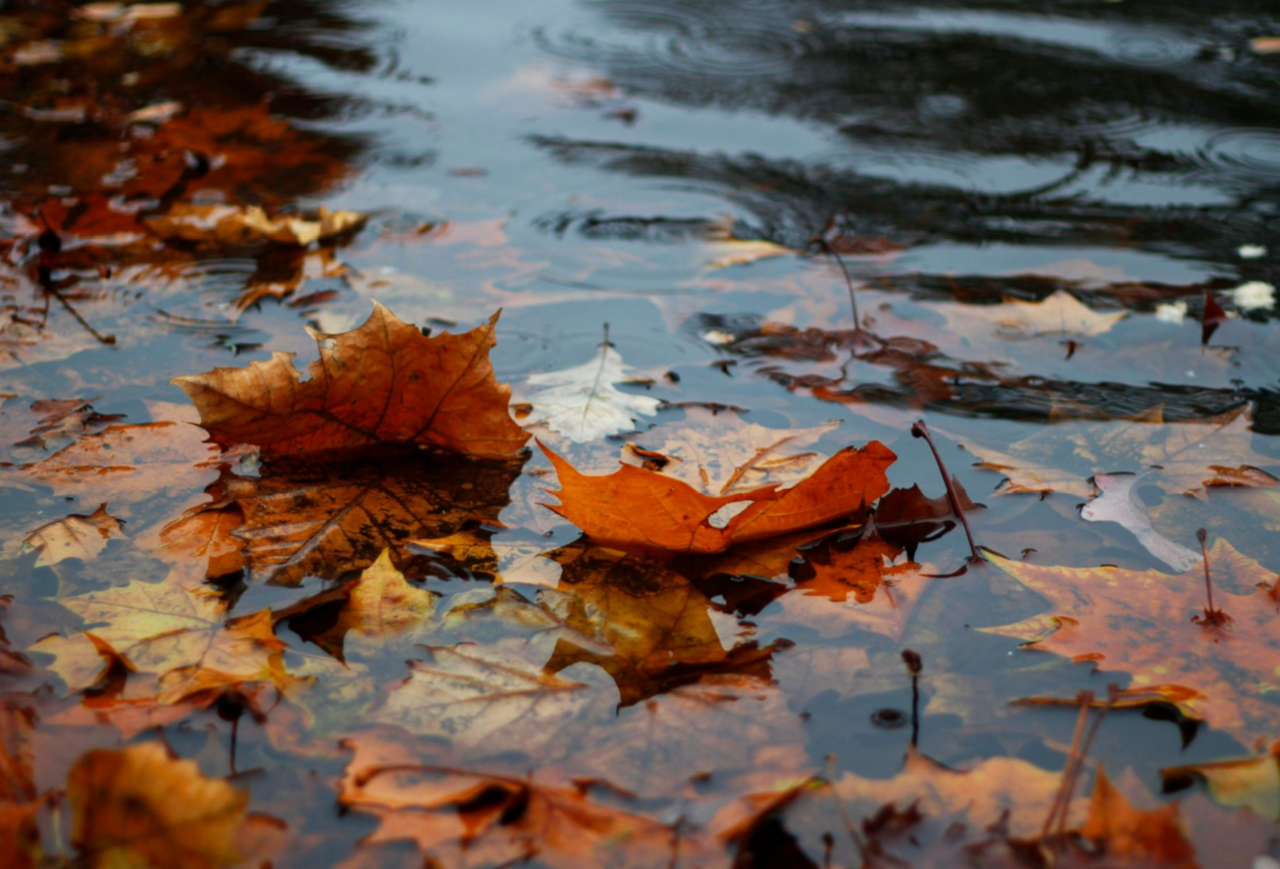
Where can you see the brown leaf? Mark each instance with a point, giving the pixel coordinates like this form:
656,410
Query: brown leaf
1248,781
233,225
1141,622
382,610
382,383
642,508
75,536
1127,836
139,807
460,817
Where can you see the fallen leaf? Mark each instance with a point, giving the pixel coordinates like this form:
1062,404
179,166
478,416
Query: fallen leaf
180,636
1059,313
1122,835
1190,456
19,802
723,454
1118,502
726,252
583,402
642,508
75,536
841,588
458,817
382,383
1140,622
232,225
136,806
382,610
1253,782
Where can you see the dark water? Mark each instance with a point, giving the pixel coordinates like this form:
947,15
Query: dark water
576,160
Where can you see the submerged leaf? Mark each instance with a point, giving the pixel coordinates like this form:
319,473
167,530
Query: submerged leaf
583,402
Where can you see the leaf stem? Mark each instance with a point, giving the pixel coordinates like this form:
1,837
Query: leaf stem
920,430
914,665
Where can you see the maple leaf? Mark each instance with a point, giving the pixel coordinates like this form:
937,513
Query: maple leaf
136,806
496,705
722,454
75,536
328,519
1057,314
380,610
181,636
1126,836
1189,456
583,403
1140,622
642,508
381,383
1247,781
840,587
232,225
127,464
460,817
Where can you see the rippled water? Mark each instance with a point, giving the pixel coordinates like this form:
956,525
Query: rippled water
573,161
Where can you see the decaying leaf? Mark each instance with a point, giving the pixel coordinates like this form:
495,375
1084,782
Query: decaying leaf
583,403
230,225
642,508
138,807
723,454
382,383
1153,626
75,536
19,800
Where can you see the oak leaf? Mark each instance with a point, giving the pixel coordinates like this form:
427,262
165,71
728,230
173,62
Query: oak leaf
381,383
1141,622
642,508
583,403
139,807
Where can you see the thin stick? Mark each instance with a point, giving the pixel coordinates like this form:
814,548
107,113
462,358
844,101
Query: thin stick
914,665
920,430
1063,797
102,339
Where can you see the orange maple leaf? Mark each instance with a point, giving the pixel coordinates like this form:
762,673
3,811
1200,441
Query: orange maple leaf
381,383
635,507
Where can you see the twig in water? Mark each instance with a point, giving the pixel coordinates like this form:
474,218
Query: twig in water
920,430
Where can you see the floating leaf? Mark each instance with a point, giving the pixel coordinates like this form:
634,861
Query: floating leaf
583,402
